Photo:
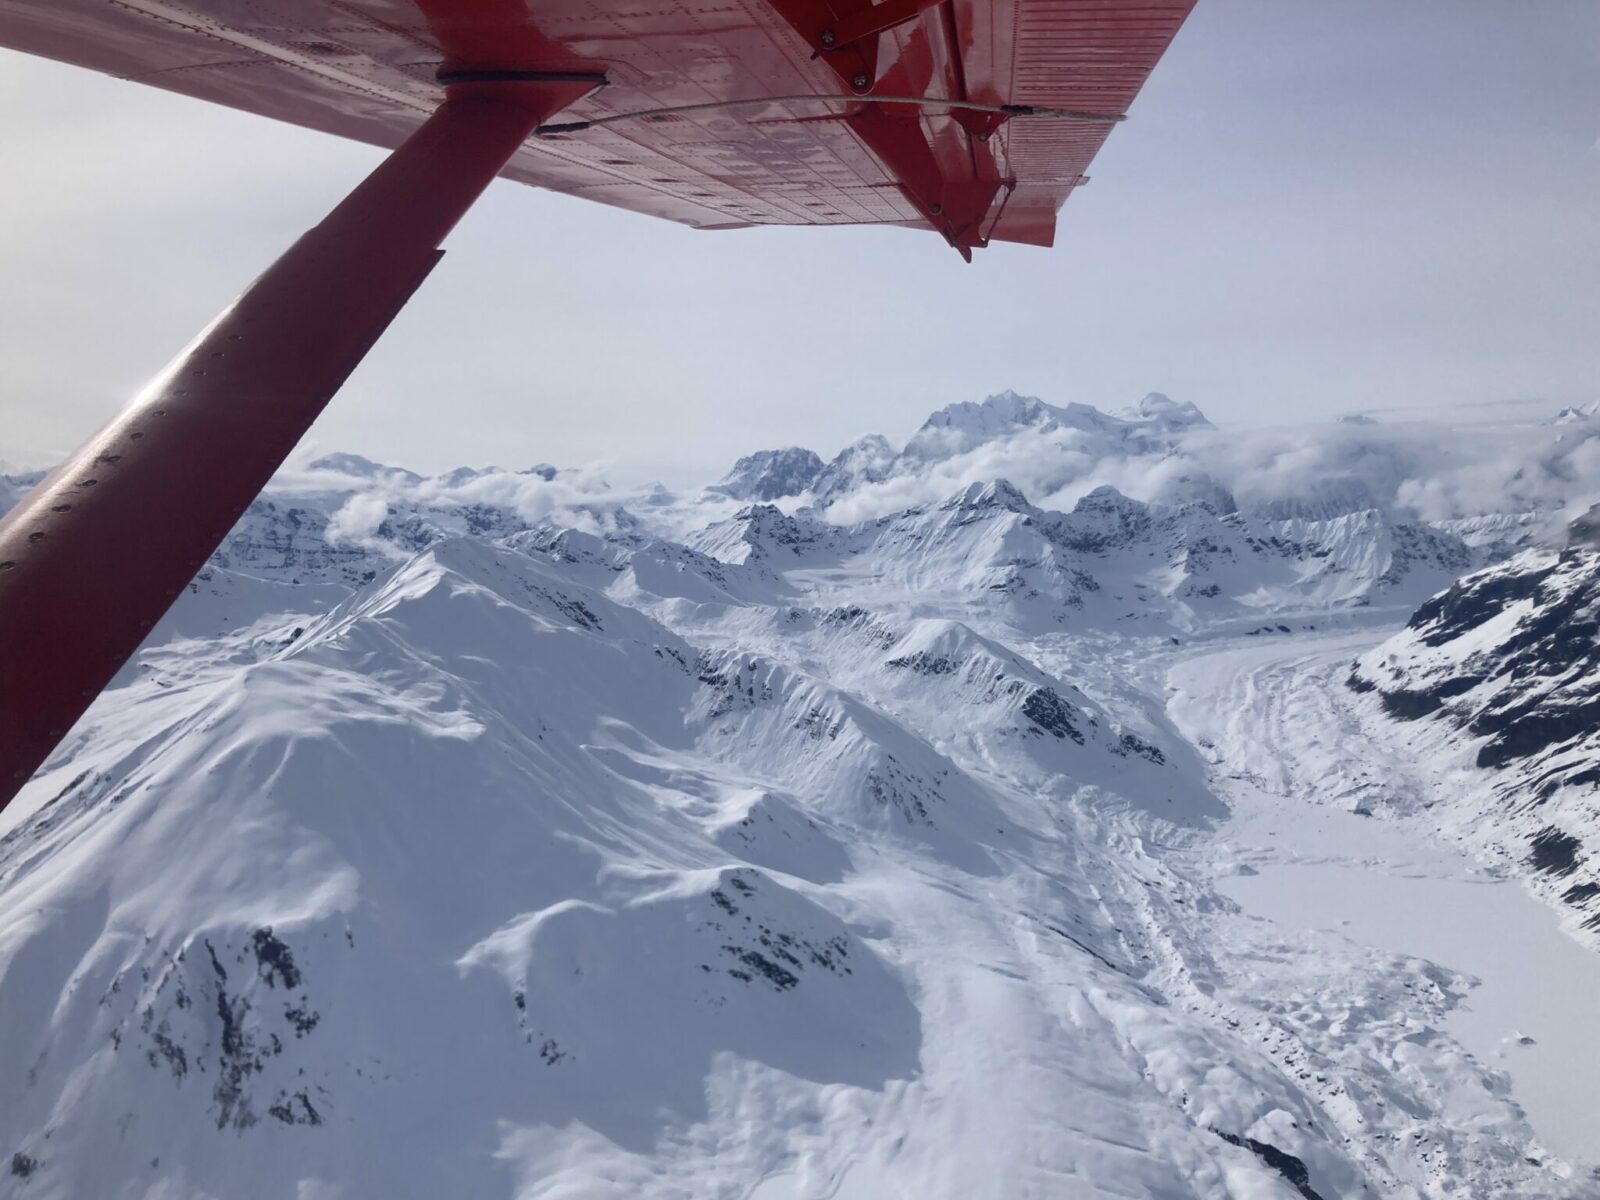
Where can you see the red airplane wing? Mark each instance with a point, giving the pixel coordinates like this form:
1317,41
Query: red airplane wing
369,70
975,118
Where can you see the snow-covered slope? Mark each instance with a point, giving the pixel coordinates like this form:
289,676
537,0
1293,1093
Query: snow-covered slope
416,867
492,834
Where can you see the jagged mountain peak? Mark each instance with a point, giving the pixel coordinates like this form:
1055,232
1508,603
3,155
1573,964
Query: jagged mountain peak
999,410
767,523
761,532
771,474
867,460
962,426
362,468
1108,499
1009,410
1154,426
873,445
1009,422
997,493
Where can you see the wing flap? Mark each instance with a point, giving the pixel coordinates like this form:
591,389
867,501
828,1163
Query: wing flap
366,69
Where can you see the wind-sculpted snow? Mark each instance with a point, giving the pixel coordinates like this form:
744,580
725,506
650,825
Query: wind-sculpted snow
856,766
726,957
480,834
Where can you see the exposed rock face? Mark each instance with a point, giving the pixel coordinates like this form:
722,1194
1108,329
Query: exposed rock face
1584,530
1509,657
1511,654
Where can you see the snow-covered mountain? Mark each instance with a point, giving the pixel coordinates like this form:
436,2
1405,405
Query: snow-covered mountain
962,427
1154,426
1501,674
496,833
1110,561
771,474
868,460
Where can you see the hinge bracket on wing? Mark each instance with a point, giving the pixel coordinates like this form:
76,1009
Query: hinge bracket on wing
868,22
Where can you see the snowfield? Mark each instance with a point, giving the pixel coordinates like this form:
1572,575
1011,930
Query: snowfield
483,836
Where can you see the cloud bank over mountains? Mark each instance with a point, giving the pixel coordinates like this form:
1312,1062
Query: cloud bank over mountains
1167,453
1158,451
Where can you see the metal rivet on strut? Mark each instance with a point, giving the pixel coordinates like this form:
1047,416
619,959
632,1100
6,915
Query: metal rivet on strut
826,37
860,81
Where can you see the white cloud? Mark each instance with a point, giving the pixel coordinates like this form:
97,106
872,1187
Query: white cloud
356,523
1423,470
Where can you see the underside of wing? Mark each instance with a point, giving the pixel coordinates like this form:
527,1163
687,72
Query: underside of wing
974,118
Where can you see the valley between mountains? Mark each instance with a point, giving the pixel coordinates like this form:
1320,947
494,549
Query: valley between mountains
879,827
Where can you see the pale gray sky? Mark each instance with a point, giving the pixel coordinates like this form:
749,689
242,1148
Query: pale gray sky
1316,207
